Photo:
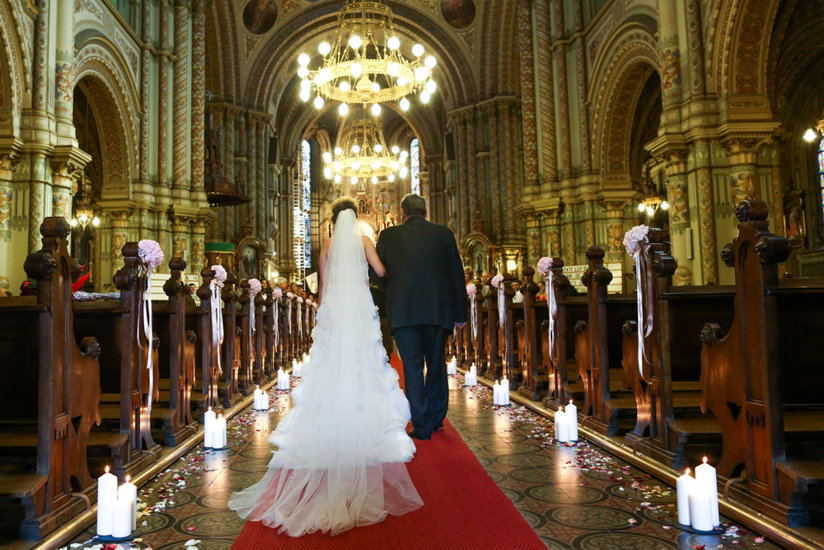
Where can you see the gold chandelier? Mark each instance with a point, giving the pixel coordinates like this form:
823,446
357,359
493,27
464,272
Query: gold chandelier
365,64
361,155
84,213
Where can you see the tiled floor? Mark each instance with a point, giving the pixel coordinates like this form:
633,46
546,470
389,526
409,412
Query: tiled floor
574,497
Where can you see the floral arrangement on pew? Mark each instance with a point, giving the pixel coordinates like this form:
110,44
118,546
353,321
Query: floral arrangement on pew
473,315
497,282
289,297
636,241
276,295
151,256
545,268
254,289
214,306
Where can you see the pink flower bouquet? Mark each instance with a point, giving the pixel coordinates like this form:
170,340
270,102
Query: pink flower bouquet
544,265
636,238
277,293
220,273
497,280
254,286
470,289
150,253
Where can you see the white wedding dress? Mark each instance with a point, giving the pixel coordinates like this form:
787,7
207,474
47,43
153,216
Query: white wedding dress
341,449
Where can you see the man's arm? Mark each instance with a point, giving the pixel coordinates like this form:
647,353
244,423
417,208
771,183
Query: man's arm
380,282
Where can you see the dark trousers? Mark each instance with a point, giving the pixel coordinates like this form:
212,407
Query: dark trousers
429,398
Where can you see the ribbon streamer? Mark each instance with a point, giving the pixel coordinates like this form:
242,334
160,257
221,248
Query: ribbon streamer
473,316
251,321
276,328
644,320
501,305
289,315
217,319
300,319
145,311
553,312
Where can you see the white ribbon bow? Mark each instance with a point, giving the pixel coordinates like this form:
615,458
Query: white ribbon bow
553,311
501,305
146,324
644,330
473,316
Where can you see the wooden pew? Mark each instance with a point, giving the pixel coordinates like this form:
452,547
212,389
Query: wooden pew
477,334
207,373
600,347
763,379
236,384
493,364
49,394
269,333
530,334
258,339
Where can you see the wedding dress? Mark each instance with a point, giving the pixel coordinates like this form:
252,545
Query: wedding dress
341,449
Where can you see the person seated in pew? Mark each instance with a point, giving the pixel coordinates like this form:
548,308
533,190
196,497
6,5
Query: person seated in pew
191,298
519,297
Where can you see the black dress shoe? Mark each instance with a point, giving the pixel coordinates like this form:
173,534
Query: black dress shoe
414,434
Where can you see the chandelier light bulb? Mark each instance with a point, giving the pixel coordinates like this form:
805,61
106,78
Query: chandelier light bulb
376,87
344,86
431,86
404,104
327,172
325,75
421,74
395,165
375,165
338,151
395,149
393,43
356,69
356,165
425,95
355,42
343,109
378,147
641,207
374,180
430,62
73,222
650,211
353,180
324,48
376,110
337,179
402,81
404,154
96,221
810,135
417,50
303,72
304,95
338,166
393,68
327,157
318,102
664,205
305,85
391,178
303,60
404,172
356,148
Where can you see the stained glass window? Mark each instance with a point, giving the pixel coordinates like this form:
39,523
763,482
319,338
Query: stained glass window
301,201
415,162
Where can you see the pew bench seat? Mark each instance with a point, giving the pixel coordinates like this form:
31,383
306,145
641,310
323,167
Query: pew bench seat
625,405
27,489
112,412
801,486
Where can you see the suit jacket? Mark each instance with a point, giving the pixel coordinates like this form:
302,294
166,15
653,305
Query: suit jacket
424,280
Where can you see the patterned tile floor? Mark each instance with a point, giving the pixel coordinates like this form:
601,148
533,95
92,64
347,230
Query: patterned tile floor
574,497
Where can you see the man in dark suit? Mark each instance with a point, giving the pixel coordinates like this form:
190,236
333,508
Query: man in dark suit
425,300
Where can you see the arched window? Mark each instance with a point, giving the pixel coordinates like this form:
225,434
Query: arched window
415,164
301,201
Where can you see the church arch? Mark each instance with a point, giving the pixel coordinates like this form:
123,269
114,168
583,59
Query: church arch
15,78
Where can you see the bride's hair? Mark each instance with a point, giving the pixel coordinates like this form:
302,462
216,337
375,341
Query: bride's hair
341,204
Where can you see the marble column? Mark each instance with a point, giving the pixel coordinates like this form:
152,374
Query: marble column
742,156
198,257
39,197
551,233
706,213
252,173
229,171
260,153
495,197
482,158
8,161
120,236
563,92
64,61
670,61
41,77
614,251
181,237
473,185
162,190
181,135
462,184
145,98
198,97
772,157
589,223
62,183
528,115
581,78
533,239
695,44
510,185
545,92
568,229
678,199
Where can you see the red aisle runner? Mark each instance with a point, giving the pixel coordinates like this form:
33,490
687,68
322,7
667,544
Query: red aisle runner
463,509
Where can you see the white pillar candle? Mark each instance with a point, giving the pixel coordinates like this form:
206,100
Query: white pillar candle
208,428
496,393
257,398
264,399
128,491
572,420
504,391
106,497
705,477
220,432
684,485
122,519
700,508
561,426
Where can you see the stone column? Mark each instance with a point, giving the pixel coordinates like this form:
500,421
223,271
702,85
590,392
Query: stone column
483,201
64,60
180,125
772,158
551,231
252,172
473,185
510,190
563,93
145,98
41,77
589,223
742,155
494,169
615,251
462,185
62,183
229,170
181,238
260,153
678,199
545,92
8,162
670,62
533,239
697,83
198,97
706,213
568,228
120,236
39,186
527,66
198,257
580,70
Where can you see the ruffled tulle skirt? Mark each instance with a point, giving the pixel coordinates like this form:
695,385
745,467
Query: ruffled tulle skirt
341,449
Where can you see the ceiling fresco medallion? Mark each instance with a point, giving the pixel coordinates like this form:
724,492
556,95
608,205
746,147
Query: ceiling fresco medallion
259,16
458,13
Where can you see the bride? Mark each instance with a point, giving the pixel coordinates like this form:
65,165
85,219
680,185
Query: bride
341,449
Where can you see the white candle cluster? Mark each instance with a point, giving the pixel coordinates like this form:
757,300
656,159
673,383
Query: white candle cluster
698,498
500,393
471,378
297,367
452,366
283,380
566,423
214,430
261,400
116,507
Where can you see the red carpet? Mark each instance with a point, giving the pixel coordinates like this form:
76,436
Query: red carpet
397,364
463,509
